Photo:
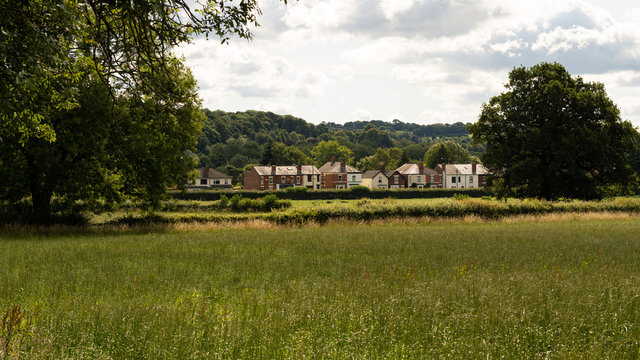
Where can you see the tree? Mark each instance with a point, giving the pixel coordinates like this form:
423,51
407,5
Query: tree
267,154
391,157
325,150
552,135
94,105
447,152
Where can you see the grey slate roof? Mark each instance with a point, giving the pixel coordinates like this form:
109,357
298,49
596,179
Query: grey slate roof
212,174
287,170
370,174
465,169
414,169
334,167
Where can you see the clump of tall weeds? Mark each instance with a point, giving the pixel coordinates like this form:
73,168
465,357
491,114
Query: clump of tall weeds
15,330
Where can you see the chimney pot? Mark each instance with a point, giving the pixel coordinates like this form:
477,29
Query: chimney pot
381,166
421,167
273,169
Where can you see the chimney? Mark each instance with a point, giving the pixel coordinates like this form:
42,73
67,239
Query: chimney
299,169
381,166
333,159
421,167
273,169
473,168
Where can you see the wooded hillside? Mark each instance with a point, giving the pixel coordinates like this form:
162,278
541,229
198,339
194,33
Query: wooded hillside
231,141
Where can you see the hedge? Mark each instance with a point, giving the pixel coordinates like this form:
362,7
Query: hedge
446,208
356,193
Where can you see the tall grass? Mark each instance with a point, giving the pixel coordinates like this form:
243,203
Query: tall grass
485,289
367,210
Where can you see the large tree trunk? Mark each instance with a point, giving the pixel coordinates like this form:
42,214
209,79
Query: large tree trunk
41,207
41,193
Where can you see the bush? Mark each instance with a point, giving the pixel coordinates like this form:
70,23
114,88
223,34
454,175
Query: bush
360,190
297,189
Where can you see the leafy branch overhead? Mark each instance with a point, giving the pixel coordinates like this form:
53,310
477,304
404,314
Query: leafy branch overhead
94,104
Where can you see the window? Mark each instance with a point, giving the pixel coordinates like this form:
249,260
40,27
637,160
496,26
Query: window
309,177
216,181
418,178
379,179
297,179
353,178
270,179
282,180
340,177
459,179
396,179
433,178
203,181
453,180
317,177
470,179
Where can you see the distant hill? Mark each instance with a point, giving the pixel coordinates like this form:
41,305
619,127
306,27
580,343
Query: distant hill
232,140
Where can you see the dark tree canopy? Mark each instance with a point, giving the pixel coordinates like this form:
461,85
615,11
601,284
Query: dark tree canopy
94,106
447,152
551,135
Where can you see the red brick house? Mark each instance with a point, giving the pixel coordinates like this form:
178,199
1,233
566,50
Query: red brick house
419,176
338,175
279,177
396,179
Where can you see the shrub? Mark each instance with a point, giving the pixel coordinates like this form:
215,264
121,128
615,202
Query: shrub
360,190
297,189
460,196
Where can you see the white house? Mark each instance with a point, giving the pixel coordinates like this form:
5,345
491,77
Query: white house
457,176
212,178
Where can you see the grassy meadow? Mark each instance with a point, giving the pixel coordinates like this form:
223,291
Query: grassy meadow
560,286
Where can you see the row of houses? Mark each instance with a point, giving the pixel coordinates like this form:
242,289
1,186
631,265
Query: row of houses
338,175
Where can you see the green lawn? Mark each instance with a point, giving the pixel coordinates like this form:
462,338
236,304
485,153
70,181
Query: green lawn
563,289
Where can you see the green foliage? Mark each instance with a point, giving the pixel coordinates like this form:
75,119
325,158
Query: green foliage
447,152
392,159
294,194
260,131
458,196
325,150
360,190
297,189
96,106
552,135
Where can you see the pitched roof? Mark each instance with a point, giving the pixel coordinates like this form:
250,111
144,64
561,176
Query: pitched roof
334,167
370,174
390,173
414,169
287,170
209,173
465,169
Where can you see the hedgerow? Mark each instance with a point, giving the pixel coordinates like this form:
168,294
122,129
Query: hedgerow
357,192
445,208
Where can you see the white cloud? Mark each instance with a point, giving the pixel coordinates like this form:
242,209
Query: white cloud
323,58
361,114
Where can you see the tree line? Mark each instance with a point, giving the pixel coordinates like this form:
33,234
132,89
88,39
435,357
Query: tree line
233,141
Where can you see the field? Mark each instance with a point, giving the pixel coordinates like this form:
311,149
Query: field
552,286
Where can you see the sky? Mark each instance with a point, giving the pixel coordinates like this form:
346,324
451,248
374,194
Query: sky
418,61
